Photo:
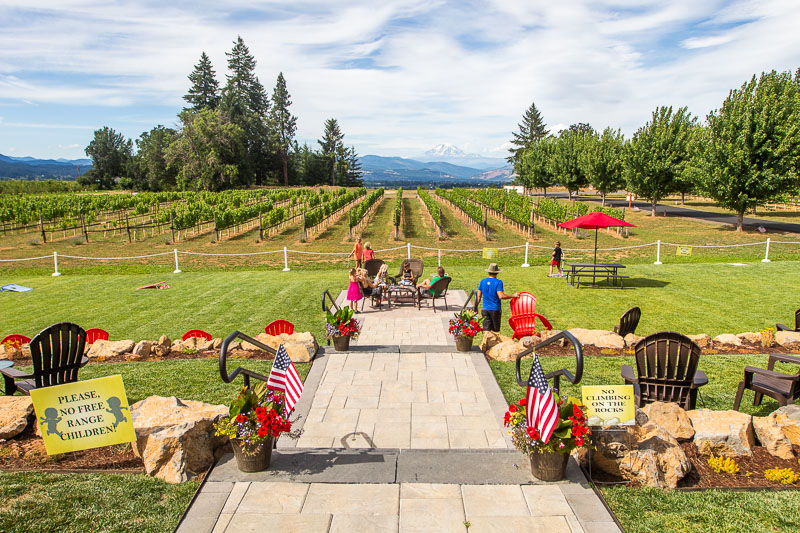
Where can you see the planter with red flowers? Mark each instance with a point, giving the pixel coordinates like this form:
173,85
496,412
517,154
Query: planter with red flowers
254,421
341,327
464,326
549,459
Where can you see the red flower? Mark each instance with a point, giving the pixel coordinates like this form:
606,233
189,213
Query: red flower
263,431
577,411
507,419
523,401
578,441
241,419
512,408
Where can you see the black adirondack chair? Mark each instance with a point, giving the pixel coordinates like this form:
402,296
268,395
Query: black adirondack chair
439,289
666,364
784,388
781,327
628,322
57,354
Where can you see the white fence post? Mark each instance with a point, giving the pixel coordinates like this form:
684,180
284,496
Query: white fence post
55,264
658,253
285,260
766,254
525,264
177,268
440,257
409,250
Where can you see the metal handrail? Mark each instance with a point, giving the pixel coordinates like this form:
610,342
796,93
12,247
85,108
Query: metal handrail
333,305
556,374
247,374
477,301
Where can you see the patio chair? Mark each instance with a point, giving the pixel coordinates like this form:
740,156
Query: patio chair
15,340
96,334
784,388
666,364
439,290
57,354
781,327
372,266
196,333
417,266
628,322
524,315
276,327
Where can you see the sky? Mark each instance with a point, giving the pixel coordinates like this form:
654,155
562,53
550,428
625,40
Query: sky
399,76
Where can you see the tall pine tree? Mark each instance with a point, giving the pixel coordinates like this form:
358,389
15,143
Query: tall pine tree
331,144
204,93
531,129
282,124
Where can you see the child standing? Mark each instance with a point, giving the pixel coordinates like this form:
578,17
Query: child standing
354,293
556,260
368,252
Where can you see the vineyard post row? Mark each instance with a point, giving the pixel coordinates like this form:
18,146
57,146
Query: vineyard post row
474,216
359,217
433,210
397,217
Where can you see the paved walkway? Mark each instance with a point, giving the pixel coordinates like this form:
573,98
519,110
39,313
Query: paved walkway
398,438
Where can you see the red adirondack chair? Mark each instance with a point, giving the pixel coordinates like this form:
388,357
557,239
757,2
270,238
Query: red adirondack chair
524,315
276,327
96,334
15,340
196,333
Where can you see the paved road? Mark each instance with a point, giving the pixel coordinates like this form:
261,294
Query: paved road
710,216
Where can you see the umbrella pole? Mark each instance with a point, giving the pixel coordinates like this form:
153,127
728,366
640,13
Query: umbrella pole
594,271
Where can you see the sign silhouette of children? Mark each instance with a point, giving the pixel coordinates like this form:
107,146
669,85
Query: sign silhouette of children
51,420
116,409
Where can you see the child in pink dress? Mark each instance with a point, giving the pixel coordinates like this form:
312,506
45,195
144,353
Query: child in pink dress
354,291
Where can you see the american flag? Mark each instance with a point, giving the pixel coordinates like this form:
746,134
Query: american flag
542,411
283,377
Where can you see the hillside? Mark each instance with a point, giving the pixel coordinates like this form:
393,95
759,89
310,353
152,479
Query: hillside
32,168
398,169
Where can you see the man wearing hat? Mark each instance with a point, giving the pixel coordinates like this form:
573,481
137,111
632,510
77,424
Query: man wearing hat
491,291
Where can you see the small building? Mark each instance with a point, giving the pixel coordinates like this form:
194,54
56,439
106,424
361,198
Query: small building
519,189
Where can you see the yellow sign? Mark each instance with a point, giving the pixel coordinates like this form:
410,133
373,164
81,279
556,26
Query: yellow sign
683,250
609,405
82,415
489,253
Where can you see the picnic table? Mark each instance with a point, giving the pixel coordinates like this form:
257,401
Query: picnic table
401,291
608,271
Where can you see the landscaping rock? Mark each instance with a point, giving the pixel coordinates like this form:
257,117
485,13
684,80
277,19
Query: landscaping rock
529,342
215,344
301,347
175,438
728,338
631,339
194,343
14,414
702,340
599,338
655,458
788,419
499,347
101,348
671,417
143,348
771,437
787,338
546,334
164,342
750,336
728,433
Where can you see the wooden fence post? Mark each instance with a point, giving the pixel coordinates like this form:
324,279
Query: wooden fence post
85,230
41,225
128,227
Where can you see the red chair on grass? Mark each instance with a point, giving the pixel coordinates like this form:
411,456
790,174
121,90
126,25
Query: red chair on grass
196,333
15,340
524,315
96,334
276,327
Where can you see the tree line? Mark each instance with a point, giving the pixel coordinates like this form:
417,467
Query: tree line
744,154
230,137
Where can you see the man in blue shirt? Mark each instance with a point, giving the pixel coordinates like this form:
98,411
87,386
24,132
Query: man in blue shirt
491,291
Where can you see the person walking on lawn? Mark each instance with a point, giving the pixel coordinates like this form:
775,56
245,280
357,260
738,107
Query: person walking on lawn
358,252
556,260
490,290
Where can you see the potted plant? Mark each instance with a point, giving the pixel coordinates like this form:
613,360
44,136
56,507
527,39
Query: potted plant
549,459
341,327
253,423
464,326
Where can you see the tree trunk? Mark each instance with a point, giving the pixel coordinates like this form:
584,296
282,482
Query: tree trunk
739,220
603,200
284,159
683,194
655,203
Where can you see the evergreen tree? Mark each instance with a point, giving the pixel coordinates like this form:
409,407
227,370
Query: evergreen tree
204,93
531,129
282,124
331,144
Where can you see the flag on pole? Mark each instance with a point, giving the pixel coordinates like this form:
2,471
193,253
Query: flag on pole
284,377
541,408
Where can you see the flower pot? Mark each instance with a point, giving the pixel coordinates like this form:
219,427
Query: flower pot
464,343
254,462
341,343
549,466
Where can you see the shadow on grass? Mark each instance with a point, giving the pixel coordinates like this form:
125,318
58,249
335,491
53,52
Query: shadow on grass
645,282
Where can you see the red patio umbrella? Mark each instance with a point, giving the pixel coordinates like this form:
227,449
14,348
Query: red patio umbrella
595,220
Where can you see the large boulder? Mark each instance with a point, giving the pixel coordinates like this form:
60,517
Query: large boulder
175,438
647,454
105,349
162,347
728,433
771,437
631,339
728,338
143,348
301,346
14,414
701,339
599,338
788,419
499,347
671,417
750,336
787,338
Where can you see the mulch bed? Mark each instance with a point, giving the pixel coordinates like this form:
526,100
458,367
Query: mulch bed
556,350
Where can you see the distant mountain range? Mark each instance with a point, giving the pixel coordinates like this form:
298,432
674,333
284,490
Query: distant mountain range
469,168
32,168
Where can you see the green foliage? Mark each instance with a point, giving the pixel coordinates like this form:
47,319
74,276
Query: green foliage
602,161
204,92
358,212
431,206
39,186
332,145
397,216
110,154
533,168
531,130
459,198
282,124
331,202
565,159
149,168
511,204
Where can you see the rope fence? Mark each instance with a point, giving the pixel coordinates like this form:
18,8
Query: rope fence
408,247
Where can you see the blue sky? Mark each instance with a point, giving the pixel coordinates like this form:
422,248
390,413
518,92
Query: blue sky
400,76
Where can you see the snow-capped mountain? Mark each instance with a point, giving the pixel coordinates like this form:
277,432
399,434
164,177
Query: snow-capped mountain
445,150
447,153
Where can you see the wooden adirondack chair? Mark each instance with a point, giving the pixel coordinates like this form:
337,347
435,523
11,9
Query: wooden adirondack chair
784,388
196,333
666,364
781,327
524,315
96,334
15,340
276,327
439,289
57,354
628,322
